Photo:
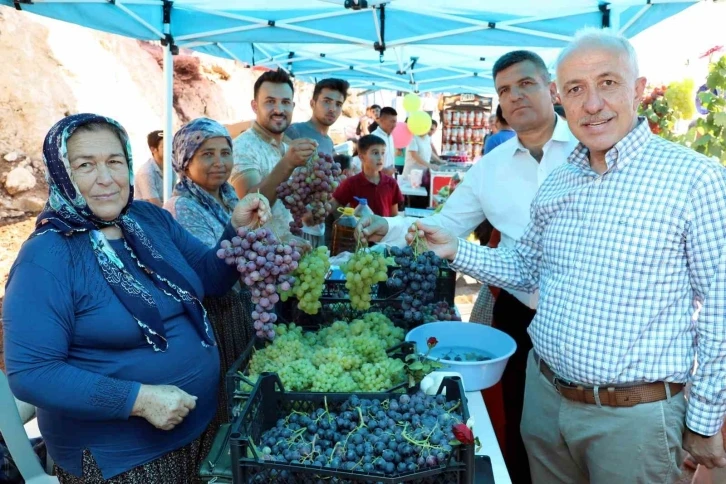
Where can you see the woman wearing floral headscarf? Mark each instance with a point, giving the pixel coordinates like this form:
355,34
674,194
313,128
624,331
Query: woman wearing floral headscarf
203,202
104,329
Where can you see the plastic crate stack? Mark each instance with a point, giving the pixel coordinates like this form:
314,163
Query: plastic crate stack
269,402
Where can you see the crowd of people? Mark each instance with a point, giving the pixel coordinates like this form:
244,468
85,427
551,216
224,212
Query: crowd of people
135,320
120,320
612,265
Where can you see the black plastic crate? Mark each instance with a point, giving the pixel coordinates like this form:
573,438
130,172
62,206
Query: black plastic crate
335,291
269,401
446,286
333,309
339,309
239,373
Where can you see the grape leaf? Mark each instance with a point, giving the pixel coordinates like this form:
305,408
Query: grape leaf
706,97
719,119
702,141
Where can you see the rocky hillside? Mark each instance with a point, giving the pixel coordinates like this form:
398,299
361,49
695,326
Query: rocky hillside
52,69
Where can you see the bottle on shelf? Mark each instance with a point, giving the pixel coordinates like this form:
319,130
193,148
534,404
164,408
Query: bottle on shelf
479,118
456,118
448,117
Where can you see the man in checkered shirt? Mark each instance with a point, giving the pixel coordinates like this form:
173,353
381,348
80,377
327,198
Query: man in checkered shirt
623,238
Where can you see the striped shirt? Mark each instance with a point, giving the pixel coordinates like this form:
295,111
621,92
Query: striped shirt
619,259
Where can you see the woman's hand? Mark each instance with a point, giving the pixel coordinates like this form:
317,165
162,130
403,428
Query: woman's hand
441,242
252,210
164,406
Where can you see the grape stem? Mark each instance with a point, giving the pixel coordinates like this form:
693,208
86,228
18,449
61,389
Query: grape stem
361,244
332,454
420,443
454,407
325,400
258,224
418,245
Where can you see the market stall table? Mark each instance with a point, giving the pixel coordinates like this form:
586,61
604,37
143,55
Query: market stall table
418,212
484,430
410,191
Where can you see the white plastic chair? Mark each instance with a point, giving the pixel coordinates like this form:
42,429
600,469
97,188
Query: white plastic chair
16,439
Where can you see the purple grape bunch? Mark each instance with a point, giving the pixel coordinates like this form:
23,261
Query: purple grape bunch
391,438
266,265
310,189
416,278
440,311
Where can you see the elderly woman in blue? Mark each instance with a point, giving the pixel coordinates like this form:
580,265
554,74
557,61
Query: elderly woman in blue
203,203
104,329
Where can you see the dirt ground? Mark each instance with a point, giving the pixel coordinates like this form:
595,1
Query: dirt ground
12,237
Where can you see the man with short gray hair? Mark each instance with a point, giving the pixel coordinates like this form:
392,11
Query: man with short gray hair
624,238
500,188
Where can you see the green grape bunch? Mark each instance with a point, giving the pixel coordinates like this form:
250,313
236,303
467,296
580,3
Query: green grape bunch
309,281
364,269
343,357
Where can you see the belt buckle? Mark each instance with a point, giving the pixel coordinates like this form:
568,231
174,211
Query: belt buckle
557,382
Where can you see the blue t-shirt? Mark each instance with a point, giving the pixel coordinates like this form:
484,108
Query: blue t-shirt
496,139
307,130
75,352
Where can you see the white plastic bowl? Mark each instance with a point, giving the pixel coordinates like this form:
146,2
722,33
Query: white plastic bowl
476,375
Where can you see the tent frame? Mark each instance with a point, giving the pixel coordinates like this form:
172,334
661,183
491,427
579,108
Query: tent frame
398,74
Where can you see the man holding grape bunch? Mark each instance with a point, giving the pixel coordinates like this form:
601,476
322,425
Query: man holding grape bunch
624,238
500,188
262,160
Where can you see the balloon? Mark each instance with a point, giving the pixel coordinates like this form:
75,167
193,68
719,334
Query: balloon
402,136
699,106
419,123
411,102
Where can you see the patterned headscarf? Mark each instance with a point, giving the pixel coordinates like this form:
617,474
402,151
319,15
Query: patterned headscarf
68,213
187,141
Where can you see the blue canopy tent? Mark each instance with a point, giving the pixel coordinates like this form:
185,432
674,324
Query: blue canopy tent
406,45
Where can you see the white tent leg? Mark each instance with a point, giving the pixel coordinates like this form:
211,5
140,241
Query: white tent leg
168,120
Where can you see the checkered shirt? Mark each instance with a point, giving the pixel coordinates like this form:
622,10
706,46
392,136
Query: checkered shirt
619,259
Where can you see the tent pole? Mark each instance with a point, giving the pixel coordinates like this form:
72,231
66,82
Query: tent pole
168,119
615,18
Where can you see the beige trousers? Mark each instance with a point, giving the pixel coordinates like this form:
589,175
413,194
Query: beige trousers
577,443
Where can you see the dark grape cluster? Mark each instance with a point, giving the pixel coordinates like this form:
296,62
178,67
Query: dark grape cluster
264,263
395,315
310,189
390,437
416,277
339,294
440,311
